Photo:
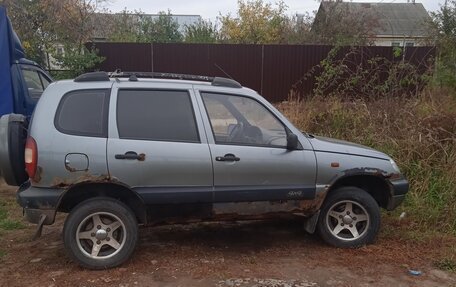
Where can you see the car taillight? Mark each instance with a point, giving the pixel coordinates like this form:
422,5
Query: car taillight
31,157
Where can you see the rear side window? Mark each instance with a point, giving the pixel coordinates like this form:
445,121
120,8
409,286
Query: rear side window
157,115
83,113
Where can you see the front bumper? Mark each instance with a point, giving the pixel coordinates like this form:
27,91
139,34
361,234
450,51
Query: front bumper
399,189
38,202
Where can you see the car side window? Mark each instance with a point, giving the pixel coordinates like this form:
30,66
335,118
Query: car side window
34,83
83,113
156,115
44,80
242,120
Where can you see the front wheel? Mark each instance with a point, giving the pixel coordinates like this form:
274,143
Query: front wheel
350,217
100,233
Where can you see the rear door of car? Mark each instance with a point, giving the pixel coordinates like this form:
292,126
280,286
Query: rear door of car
157,144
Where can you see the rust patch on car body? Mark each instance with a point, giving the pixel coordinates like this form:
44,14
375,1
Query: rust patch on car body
37,177
70,169
266,209
142,157
371,171
233,211
86,177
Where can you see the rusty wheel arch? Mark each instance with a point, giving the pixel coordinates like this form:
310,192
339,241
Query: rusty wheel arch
376,185
77,193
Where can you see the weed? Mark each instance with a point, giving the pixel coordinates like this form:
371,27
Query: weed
7,223
418,132
446,264
362,74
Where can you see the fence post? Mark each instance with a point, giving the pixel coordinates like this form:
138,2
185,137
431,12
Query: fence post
152,57
262,69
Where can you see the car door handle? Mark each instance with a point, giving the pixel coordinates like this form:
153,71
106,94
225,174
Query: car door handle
131,155
227,157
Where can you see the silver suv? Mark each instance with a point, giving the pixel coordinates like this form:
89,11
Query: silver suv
118,151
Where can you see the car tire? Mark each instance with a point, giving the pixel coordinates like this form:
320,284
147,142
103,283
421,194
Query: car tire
100,233
349,218
13,135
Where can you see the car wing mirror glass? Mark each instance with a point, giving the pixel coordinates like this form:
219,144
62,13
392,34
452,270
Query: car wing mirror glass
292,141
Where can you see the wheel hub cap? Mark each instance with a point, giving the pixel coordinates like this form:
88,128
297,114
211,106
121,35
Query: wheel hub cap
101,234
347,219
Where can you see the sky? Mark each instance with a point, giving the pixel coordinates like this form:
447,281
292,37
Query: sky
210,9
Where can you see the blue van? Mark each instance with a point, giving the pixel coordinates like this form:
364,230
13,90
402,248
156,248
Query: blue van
21,81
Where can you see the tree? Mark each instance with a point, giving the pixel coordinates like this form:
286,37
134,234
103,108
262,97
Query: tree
256,23
75,30
163,29
31,21
123,26
136,26
42,25
77,61
445,20
339,23
201,32
444,32
297,29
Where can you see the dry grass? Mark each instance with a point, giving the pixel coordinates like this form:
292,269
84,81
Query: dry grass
419,133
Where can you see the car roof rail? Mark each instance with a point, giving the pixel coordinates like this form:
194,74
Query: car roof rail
92,77
225,82
215,81
133,76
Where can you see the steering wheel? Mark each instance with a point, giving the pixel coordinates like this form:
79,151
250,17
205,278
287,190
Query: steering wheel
236,133
253,135
273,138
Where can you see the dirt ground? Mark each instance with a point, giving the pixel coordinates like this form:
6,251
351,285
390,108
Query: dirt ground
266,253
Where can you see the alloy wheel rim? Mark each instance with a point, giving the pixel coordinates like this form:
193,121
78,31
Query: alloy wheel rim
101,235
347,220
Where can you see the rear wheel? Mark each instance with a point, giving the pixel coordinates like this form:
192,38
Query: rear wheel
100,233
350,217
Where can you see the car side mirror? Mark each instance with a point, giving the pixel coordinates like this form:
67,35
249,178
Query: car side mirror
292,141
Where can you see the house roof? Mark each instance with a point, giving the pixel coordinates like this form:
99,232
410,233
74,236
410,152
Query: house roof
394,19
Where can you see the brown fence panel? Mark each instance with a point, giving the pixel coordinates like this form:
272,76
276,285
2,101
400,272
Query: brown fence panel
125,56
183,59
272,70
240,62
285,68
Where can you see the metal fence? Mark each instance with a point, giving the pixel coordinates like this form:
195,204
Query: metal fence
272,70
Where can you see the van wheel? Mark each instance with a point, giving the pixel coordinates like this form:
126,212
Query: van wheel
100,233
350,217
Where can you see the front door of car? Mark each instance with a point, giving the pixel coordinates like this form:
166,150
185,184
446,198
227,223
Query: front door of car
249,152
156,144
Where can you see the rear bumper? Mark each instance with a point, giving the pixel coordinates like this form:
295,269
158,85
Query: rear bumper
38,202
399,189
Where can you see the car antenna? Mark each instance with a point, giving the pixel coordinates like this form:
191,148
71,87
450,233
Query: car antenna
117,72
223,71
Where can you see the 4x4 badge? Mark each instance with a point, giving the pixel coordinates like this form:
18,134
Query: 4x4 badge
295,193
